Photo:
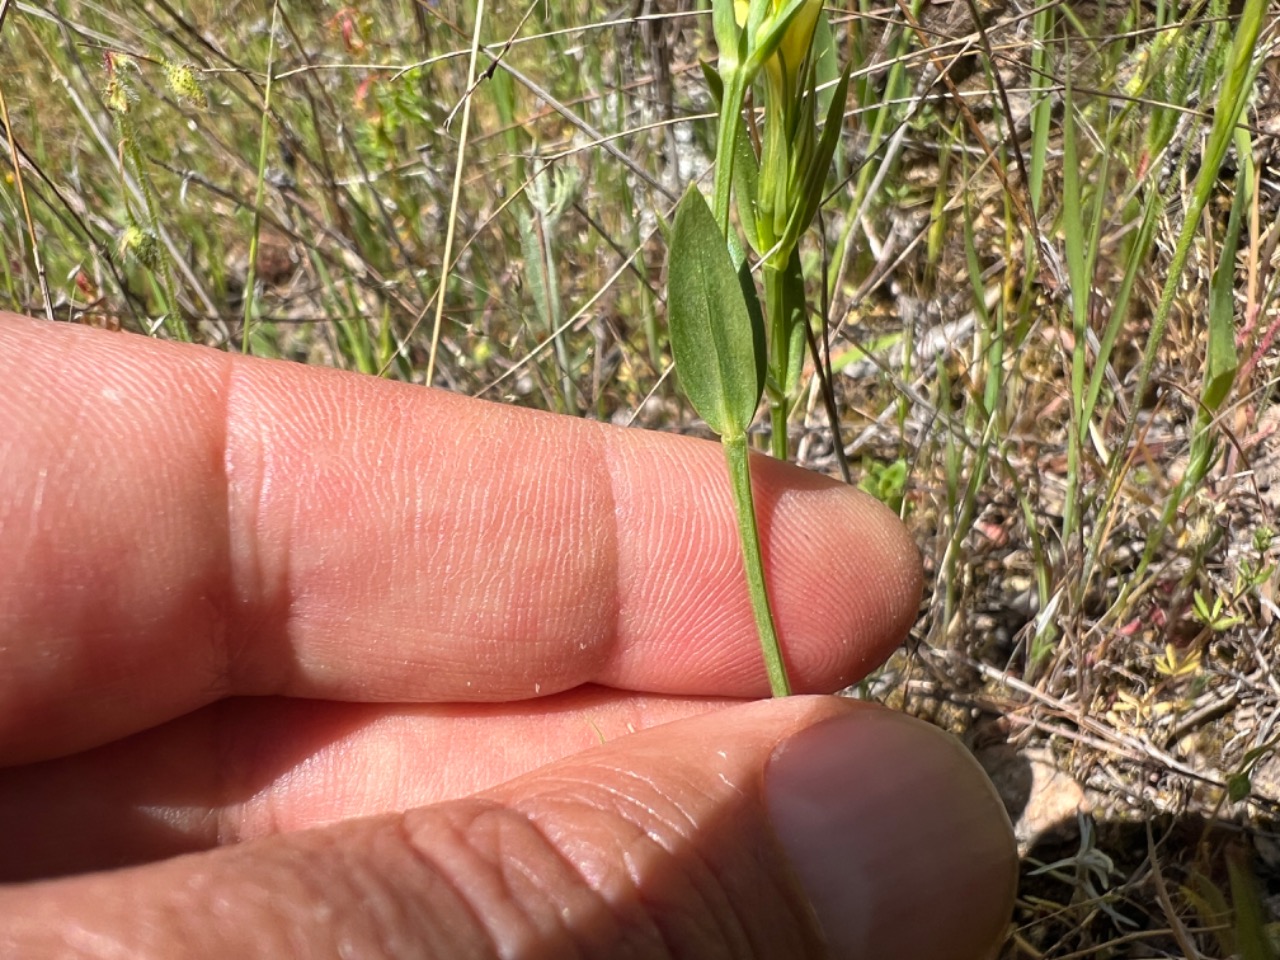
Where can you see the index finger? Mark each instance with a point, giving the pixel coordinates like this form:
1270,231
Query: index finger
178,525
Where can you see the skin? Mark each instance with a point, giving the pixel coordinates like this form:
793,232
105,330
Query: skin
446,678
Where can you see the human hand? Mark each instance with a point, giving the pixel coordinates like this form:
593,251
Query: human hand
241,598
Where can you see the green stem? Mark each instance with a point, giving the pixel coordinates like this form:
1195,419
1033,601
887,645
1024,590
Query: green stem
251,280
735,448
726,141
779,403
778,428
735,453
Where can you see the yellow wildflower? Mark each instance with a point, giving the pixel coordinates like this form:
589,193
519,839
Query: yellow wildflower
784,66
799,36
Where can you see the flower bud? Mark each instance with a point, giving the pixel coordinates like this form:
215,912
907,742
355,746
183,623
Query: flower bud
798,38
789,138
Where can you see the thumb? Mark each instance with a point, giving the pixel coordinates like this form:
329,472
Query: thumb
802,827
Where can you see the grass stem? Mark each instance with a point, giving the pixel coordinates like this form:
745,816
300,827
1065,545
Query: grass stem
457,190
260,192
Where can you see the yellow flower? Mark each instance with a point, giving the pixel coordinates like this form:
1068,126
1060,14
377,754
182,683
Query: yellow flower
799,36
794,47
786,154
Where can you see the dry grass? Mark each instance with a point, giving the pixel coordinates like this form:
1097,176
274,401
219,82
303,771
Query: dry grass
1100,620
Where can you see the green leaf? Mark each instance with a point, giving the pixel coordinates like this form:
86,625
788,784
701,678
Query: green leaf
815,180
746,176
1237,86
1222,361
746,167
535,266
1073,218
727,33
826,71
1250,913
789,340
717,345
715,86
752,299
665,227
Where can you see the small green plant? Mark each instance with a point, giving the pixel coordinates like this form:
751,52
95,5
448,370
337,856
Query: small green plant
1213,614
729,350
1240,783
887,482
139,242
548,196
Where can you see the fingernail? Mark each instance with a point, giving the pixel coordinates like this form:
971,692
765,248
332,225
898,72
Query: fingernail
897,837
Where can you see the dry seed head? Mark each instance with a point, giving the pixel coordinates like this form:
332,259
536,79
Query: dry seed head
140,245
121,61
118,96
1200,532
184,83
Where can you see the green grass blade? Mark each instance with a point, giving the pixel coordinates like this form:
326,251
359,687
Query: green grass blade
1222,361
260,190
1236,87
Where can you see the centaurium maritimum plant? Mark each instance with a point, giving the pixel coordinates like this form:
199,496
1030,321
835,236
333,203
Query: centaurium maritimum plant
729,348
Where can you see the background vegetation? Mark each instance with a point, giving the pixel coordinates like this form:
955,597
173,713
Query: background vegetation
1046,271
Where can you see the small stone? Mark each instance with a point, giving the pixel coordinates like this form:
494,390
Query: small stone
1041,800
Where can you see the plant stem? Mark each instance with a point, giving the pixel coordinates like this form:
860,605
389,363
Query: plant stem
779,403
22,197
778,427
735,448
735,453
726,140
447,258
260,192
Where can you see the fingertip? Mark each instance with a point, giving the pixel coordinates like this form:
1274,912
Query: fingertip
897,836
846,575
843,575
